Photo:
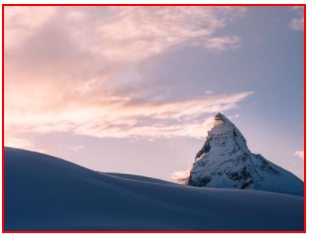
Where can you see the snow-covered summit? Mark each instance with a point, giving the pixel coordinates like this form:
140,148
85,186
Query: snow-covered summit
226,162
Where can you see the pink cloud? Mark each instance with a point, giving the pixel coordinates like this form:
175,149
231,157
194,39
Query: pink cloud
224,43
69,70
298,22
120,117
299,154
21,22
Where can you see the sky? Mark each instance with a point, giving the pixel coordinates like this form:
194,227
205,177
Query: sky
134,89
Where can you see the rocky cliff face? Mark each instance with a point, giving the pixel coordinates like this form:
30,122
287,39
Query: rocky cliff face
226,162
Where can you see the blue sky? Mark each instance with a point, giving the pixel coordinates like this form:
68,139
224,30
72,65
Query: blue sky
134,90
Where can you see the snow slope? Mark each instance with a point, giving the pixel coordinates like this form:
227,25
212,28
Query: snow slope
226,162
42,192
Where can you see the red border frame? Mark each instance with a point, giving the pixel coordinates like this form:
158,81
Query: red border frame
304,5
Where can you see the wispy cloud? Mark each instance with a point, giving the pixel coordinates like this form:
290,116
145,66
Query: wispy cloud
298,22
17,143
299,154
224,43
20,23
74,147
74,70
148,31
182,177
122,116
125,33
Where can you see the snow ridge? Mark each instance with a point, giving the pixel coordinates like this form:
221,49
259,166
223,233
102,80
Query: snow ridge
45,193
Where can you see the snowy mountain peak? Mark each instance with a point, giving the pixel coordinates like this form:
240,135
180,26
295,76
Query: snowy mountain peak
221,123
221,117
226,162
224,134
